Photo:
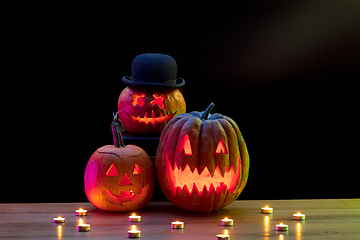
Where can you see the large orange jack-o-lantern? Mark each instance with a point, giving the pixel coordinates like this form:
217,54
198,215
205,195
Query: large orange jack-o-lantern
119,178
146,110
202,161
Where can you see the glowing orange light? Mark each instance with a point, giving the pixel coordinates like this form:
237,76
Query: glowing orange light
138,169
188,180
221,148
137,99
159,100
111,172
125,180
184,144
226,232
153,120
81,221
59,228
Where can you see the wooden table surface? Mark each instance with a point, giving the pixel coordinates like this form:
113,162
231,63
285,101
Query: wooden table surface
325,219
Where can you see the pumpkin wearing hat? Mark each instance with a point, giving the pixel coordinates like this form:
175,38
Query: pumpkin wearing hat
151,98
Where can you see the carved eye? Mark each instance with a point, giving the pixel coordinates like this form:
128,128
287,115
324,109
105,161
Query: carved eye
112,172
184,144
159,100
221,148
138,169
137,99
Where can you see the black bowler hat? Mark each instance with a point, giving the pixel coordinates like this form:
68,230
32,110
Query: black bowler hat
154,69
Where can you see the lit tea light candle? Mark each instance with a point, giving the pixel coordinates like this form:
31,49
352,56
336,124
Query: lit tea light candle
84,227
282,227
81,212
299,216
177,225
59,220
134,218
224,236
227,222
267,210
133,233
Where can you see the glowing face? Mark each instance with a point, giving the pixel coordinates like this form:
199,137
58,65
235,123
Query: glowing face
191,181
149,110
138,100
123,189
119,179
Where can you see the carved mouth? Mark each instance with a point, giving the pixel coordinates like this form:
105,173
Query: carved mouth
153,119
126,196
192,181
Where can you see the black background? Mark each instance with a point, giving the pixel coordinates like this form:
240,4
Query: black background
285,71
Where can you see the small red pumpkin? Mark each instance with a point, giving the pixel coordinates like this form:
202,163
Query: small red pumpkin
119,178
202,161
148,110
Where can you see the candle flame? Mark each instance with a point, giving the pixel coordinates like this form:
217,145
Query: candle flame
133,215
281,224
266,206
226,232
81,221
298,213
80,209
226,218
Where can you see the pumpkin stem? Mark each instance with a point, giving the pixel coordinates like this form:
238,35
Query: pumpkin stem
206,113
115,128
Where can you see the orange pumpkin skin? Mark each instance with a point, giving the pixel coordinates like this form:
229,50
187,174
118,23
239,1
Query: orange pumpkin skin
119,178
202,161
148,110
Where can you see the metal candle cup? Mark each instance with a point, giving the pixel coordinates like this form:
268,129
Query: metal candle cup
282,227
59,220
81,212
134,218
298,216
222,237
133,233
267,210
83,227
227,222
177,225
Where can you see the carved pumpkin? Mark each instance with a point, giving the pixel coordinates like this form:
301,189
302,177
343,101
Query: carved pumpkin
202,161
146,110
119,178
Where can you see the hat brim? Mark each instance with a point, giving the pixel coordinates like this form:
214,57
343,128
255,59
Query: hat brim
133,82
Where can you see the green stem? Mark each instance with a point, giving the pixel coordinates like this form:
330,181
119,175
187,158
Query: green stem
206,113
115,128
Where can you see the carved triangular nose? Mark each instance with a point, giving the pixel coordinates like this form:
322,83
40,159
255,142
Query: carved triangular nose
125,180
